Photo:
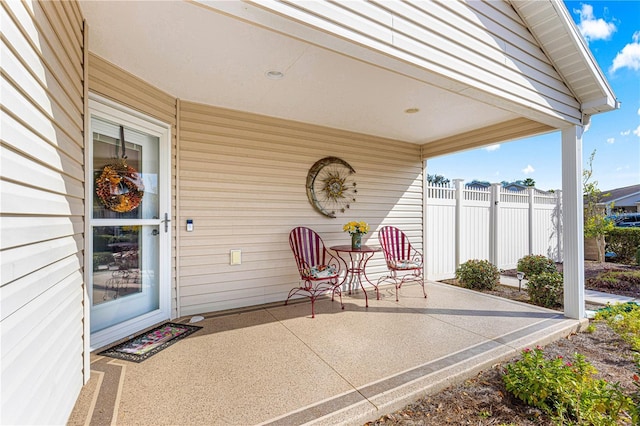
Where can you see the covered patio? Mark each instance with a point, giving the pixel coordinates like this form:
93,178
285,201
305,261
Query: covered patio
223,108
273,364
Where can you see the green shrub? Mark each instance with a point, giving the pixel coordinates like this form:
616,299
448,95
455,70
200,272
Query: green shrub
535,264
545,289
102,258
624,319
566,390
478,274
636,396
624,242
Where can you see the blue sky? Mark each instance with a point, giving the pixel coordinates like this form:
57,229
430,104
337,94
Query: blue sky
612,31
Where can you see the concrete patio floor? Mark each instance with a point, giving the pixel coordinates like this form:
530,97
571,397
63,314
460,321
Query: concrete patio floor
275,365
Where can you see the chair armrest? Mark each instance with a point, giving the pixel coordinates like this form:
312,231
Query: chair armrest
334,261
416,256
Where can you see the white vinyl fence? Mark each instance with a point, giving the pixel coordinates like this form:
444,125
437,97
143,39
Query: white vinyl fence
492,223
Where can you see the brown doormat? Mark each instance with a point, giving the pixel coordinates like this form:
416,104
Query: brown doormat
150,342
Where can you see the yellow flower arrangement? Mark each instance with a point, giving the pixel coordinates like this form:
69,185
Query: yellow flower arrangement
355,227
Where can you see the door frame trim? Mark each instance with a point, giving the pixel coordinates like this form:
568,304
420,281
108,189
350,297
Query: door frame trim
106,108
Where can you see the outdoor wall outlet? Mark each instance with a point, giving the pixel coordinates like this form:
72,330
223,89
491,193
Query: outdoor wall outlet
236,257
189,225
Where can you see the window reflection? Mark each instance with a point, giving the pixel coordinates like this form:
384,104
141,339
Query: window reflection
116,262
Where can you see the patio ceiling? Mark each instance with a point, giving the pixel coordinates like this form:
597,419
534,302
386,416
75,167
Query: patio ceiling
198,53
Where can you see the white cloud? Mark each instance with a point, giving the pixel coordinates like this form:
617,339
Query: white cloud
528,169
492,147
637,131
629,56
592,28
638,111
611,140
625,133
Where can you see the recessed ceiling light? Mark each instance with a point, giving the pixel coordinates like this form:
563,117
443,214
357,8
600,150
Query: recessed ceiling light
411,110
274,75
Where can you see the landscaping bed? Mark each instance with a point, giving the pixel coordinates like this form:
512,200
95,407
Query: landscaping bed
484,400
614,278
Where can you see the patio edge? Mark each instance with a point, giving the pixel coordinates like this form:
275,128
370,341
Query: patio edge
391,394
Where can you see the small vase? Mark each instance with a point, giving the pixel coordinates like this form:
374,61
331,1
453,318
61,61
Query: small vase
356,241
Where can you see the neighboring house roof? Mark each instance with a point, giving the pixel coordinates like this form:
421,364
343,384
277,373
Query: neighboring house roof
515,187
626,196
478,184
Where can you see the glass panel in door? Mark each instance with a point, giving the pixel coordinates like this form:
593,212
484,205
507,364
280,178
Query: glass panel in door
126,224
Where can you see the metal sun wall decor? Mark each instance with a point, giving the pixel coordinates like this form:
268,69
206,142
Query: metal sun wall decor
330,186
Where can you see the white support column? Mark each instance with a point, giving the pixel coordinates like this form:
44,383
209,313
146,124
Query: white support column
425,196
573,223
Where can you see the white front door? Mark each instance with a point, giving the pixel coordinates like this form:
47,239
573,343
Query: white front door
129,238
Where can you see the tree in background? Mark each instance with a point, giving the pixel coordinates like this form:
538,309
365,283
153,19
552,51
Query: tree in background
437,179
529,182
596,225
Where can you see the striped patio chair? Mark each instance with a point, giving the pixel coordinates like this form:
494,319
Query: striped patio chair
319,270
403,261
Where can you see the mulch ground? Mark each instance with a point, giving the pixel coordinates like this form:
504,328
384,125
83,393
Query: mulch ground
483,400
592,273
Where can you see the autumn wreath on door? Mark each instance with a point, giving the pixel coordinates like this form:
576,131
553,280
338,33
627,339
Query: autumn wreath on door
119,187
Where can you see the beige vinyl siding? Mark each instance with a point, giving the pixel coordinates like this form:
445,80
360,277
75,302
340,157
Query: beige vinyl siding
126,89
483,45
41,207
242,181
507,131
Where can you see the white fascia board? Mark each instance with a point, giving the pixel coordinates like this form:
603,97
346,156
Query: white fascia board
609,101
600,105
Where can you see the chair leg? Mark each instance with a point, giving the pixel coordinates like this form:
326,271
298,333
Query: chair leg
381,279
291,293
295,291
377,292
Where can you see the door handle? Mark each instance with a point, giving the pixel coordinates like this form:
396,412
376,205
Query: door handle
166,222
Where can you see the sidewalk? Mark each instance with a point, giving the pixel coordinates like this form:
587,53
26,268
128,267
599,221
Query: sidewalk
591,296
